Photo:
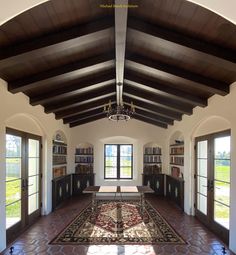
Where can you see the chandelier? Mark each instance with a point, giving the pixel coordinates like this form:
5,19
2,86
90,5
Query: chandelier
119,112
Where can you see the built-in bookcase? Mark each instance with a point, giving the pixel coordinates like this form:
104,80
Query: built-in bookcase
59,155
84,159
152,168
152,161
177,156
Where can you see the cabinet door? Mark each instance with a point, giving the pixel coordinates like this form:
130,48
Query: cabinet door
158,184
148,180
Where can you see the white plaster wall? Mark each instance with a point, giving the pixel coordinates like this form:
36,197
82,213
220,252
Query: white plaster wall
218,115
16,112
104,131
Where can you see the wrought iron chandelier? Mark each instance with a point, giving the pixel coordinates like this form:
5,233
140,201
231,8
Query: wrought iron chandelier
119,112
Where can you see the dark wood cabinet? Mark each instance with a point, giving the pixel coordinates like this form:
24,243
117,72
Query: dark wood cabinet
81,181
175,190
155,181
61,190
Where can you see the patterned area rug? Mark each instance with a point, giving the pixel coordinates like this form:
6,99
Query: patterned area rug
121,223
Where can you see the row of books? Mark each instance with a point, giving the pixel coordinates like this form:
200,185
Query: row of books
59,149
83,159
88,150
153,169
59,159
59,171
152,150
84,169
177,160
177,150
152,159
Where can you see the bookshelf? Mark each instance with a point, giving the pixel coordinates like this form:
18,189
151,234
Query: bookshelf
84,159
84,175
152,168
177,159
152,160
59,155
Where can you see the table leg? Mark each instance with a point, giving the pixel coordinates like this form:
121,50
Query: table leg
93,201
142,203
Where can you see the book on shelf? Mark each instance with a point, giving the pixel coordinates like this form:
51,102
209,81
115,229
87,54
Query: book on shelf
88,150
152,150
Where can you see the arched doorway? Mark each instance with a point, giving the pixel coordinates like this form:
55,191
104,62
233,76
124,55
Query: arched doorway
23,173
212,175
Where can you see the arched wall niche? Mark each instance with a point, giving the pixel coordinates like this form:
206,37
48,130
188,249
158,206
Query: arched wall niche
60,136
176,136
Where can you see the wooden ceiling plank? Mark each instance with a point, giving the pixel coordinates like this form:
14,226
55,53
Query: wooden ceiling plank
183,40
80,100
201,82
60,74
78,88
158,100
153,108
150,114
87,120
85,107
164,90
83,115
55,42
149,121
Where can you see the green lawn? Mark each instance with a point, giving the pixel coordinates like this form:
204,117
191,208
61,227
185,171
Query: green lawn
13,194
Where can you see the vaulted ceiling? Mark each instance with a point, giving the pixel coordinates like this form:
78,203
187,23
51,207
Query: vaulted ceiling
62,54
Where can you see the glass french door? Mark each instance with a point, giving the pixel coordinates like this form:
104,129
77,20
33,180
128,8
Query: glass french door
212,182
23,181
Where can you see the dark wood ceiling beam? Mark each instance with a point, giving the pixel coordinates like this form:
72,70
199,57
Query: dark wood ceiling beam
87,120
150,121
83,115
83,108
52,43
183,40
158,100
197,81
78,88
61,74
153,115
80,100
153,108
163,90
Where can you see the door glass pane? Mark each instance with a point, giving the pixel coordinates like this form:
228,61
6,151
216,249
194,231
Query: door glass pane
13,179
221,214
202,175
13,214
222,190
33,184
202,185
13,191
202,203
33,175
222,180
33,203
202,167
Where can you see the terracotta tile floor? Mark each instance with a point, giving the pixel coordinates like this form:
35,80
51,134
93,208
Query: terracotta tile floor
35,240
